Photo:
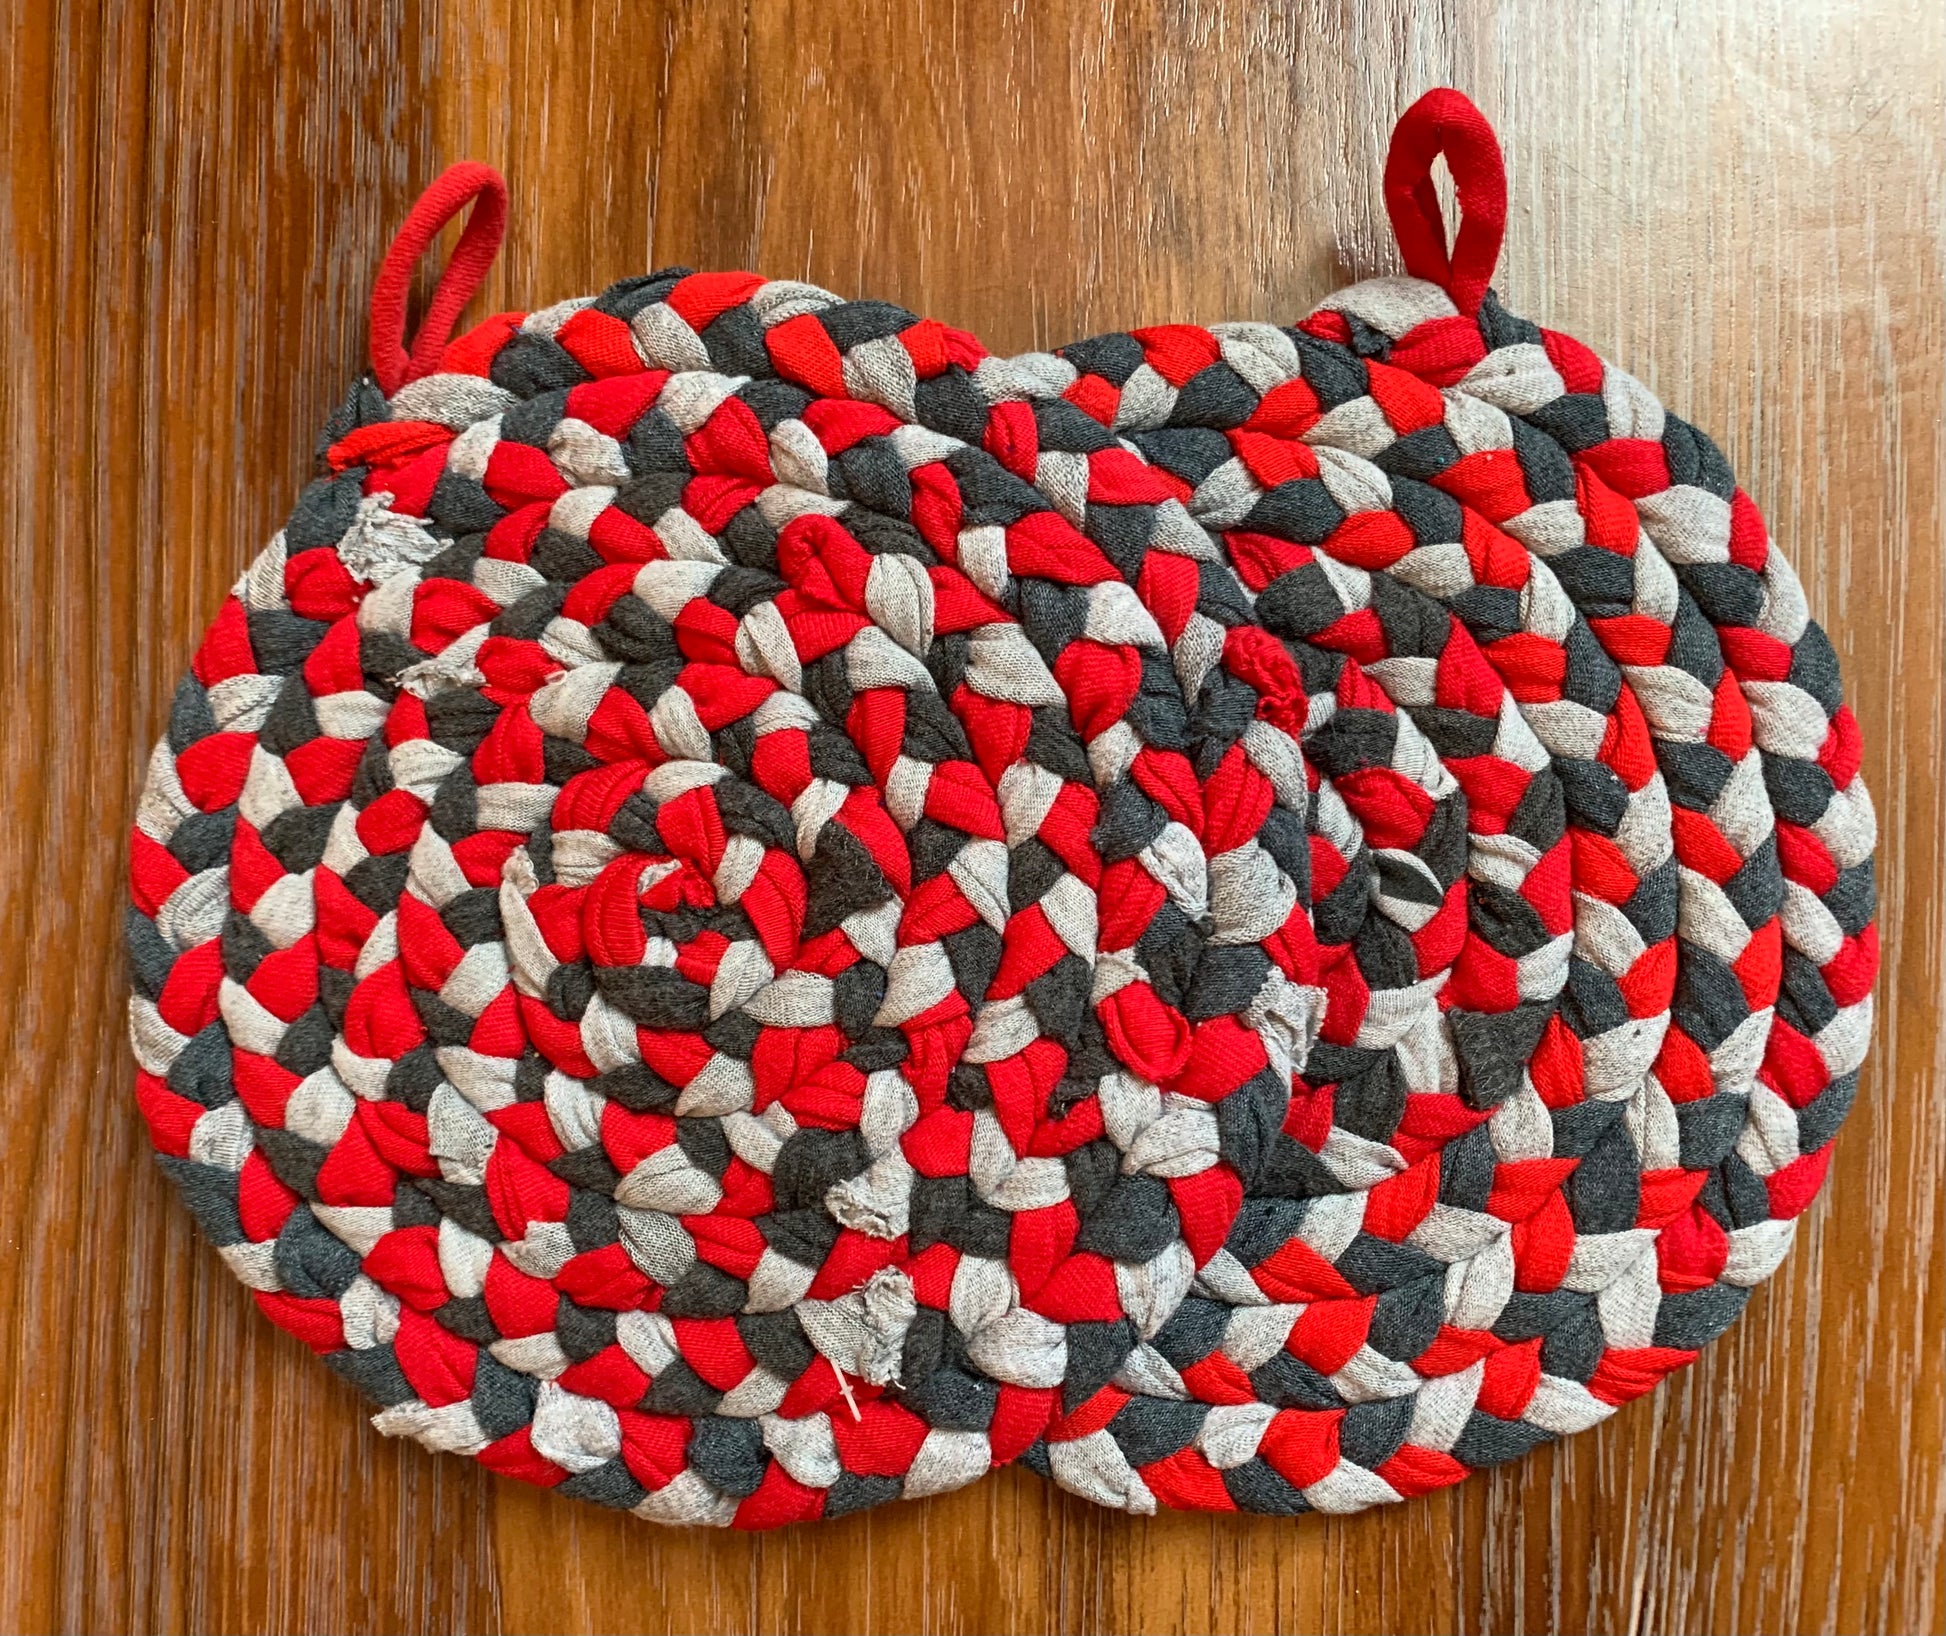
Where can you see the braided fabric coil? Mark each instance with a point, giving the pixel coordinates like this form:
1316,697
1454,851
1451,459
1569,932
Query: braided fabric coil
754,910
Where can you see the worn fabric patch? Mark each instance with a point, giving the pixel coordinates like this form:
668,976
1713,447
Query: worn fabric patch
754,910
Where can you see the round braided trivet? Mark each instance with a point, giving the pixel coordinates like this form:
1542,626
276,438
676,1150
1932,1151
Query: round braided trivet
754,910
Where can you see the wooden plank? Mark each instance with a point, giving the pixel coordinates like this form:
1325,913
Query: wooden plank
1740,200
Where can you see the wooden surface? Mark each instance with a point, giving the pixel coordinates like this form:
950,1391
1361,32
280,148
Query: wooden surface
1739,199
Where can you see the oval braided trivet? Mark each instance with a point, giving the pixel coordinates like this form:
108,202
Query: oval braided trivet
754,910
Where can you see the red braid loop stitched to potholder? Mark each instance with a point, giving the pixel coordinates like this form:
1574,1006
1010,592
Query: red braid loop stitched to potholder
754,910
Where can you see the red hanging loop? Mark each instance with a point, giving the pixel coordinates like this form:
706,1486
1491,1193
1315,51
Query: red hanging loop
460,185
1446,122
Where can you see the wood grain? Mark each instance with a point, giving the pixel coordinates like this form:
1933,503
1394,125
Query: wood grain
1740,199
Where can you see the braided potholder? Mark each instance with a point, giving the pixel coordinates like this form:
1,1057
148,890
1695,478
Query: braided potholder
754,910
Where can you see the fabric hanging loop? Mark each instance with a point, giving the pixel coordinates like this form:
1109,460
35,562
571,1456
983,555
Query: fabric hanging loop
1446,122
466,183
